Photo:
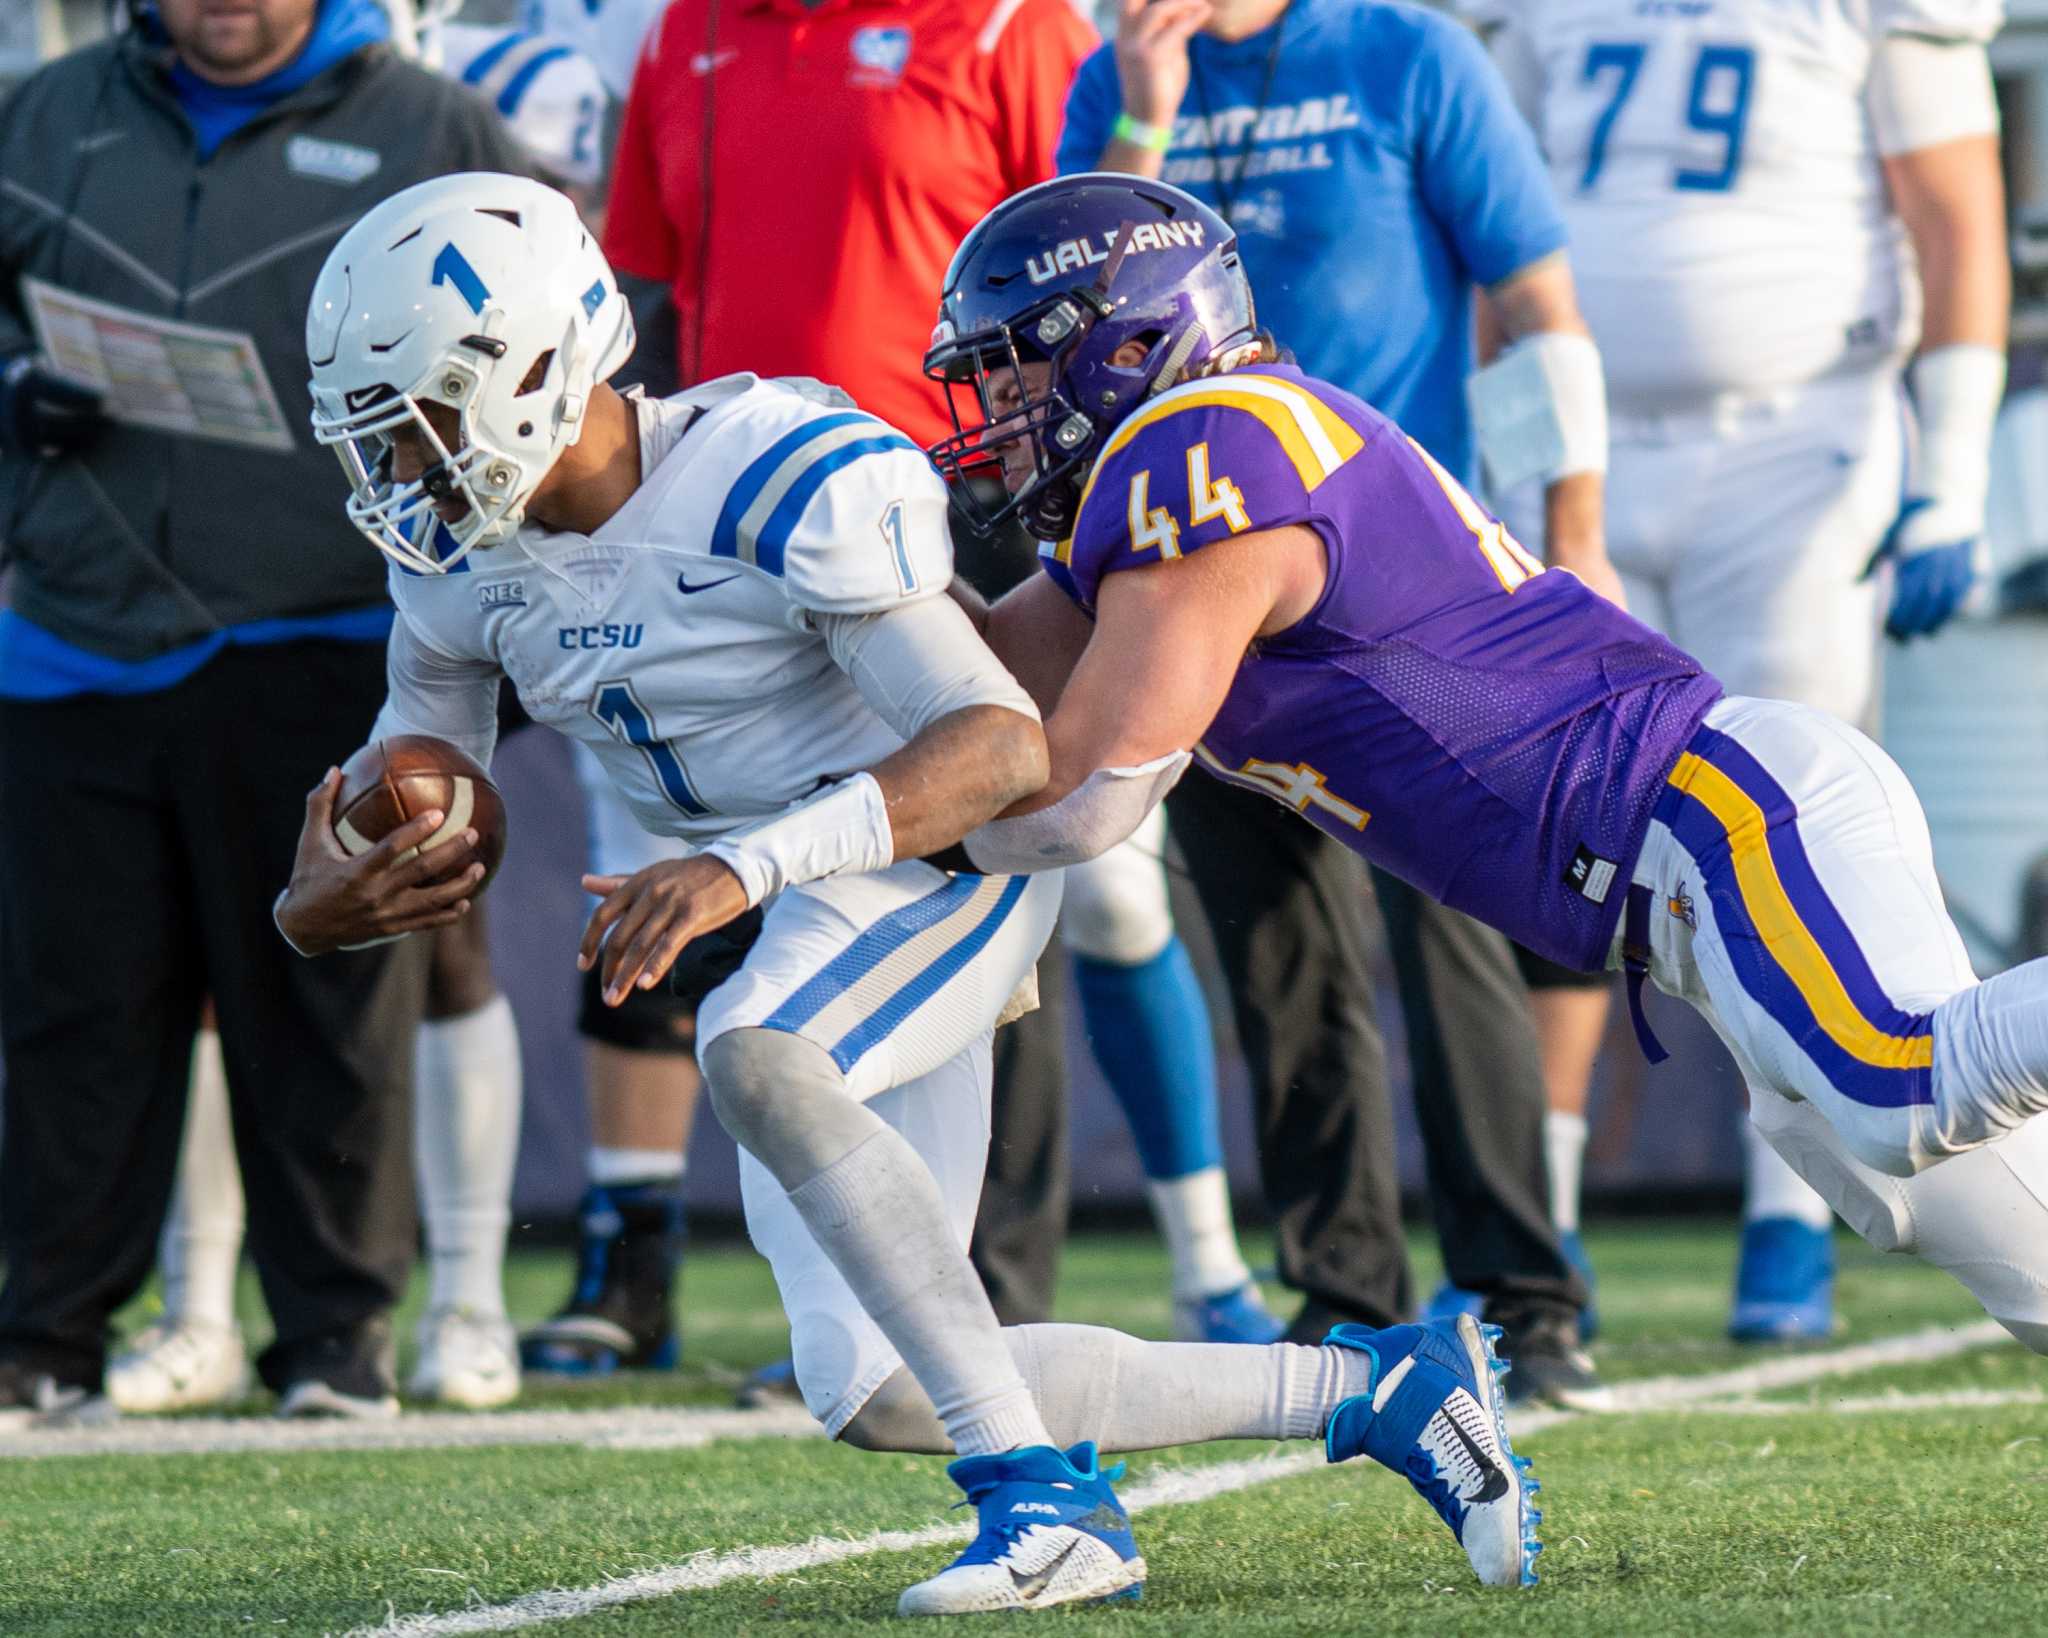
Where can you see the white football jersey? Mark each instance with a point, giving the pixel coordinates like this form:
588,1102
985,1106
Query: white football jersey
549,94
1730,228
609,32
678,642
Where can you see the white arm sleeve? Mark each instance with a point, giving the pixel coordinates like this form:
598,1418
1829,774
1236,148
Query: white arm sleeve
427,692
918,662
1925,92
1082,825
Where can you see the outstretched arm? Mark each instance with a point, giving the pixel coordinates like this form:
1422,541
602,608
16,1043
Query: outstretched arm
1165,648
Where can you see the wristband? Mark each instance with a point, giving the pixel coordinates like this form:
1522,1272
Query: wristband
1956,392
1540,410
843,830
1156,138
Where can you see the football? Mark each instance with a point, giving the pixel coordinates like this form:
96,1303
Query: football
392,780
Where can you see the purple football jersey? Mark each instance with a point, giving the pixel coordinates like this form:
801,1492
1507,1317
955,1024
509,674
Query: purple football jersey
1490,732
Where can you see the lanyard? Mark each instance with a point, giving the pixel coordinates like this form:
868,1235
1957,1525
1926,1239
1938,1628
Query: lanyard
1226,187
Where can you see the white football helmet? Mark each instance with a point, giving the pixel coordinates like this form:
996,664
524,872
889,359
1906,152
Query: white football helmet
482,292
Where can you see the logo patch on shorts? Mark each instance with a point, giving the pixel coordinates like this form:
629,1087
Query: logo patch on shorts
1680,905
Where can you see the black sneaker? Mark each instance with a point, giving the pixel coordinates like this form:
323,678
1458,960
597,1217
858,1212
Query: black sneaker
349,1374
1547,1366
620,1316
36,1399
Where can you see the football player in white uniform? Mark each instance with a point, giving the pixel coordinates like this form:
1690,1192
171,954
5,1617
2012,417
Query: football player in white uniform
736,598
1773,208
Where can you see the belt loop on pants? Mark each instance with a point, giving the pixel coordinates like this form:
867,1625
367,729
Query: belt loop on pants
1635,962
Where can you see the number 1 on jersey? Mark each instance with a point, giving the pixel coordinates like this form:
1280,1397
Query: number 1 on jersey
620,710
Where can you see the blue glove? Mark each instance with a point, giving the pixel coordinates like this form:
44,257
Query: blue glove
1930,578
42,414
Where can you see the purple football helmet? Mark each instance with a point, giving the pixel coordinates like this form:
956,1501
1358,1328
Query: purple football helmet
1064,274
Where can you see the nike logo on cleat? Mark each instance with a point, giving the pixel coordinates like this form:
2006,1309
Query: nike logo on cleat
683,585
1030,1586
1496,1485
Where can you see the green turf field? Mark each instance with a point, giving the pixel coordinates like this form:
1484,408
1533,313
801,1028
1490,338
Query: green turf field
1859,1491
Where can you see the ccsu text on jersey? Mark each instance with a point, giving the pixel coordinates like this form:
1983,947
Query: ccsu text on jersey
605,636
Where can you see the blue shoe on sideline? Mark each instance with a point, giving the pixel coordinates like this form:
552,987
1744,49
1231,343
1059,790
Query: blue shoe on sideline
1052,1532
1784,1283
1448,1301
1575,1254
1433,1413
771,1385
620,1315
1235,1316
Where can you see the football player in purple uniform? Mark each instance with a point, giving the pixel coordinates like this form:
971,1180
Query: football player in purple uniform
1251,568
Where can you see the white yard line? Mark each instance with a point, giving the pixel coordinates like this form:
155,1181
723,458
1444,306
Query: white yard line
712,1569
611,1427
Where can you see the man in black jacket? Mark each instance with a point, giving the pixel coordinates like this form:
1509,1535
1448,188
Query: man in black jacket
195,635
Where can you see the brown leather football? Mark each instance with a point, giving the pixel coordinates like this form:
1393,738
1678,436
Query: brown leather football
392,780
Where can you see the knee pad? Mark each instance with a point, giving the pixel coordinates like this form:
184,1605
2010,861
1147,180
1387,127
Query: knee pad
1871,1202
1115,908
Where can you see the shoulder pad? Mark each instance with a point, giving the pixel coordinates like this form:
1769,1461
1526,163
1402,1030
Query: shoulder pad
1205,461
841,507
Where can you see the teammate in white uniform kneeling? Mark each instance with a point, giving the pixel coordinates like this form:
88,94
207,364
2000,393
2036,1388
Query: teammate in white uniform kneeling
1750,188
736,599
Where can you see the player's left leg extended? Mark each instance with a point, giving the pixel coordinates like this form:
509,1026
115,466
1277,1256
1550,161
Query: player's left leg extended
1789,891
1148,1026
864,1161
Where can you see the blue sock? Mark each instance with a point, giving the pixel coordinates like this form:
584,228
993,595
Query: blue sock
1149,1027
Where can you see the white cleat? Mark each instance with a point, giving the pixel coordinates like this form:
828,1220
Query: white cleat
467,1359
179,1365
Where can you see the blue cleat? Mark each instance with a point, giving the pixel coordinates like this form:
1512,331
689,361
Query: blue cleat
1448,1301
1784,1283
1052,1532
620,1314
1433,1413
1236,1316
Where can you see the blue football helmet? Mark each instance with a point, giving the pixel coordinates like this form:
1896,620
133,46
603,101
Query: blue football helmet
1064,274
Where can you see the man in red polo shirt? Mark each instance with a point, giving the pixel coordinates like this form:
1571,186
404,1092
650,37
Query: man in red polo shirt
798,175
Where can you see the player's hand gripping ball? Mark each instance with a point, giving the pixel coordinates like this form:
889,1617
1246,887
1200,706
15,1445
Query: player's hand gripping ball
392,780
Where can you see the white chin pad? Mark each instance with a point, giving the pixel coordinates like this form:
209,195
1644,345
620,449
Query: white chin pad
1084,824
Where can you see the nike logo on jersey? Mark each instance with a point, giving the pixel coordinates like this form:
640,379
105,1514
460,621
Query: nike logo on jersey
683,584
710,62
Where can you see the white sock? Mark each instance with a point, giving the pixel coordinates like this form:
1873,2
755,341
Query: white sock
1089,1382
608,1167
201,1245
1564,1149
1193,1212
879,1215
465,1145
1774,1189
1093,1383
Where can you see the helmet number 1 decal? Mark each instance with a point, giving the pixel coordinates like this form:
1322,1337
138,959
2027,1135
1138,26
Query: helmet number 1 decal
452,267
893,531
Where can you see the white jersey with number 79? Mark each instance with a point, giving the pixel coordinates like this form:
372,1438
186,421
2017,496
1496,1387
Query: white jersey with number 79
1730,227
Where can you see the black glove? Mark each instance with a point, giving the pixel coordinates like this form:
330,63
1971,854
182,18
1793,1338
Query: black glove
43,414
